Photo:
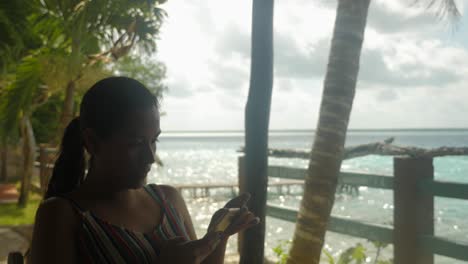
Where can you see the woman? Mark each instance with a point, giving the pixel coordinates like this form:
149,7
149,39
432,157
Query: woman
109,215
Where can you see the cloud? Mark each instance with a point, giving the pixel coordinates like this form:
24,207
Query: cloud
180,87
387,95
375,69
402,63
233,41
415,108
407,63
204,16
232,103
400,17
295,62
385,66
283,84
229,75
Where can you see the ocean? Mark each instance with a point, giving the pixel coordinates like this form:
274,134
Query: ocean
211,157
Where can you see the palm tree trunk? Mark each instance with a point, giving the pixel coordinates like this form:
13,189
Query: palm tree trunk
4,160
327,151
67,110
257,118
68,103
29,154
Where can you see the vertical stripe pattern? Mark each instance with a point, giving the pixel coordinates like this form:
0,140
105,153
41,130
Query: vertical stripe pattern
102,242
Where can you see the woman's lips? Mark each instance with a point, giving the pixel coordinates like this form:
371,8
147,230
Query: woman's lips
143,170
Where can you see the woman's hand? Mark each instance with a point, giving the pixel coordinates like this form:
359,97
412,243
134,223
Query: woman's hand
241,218
178,250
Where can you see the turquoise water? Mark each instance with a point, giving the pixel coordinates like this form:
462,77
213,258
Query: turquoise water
212,158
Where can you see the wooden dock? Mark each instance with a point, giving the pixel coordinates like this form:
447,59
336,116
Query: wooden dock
203,190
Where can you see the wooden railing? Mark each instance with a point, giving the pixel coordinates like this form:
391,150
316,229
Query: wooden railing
414,189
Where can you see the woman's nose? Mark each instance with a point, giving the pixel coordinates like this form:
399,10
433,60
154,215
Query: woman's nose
149,153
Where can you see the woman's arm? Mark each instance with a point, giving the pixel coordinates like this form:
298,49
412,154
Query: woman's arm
178,202
217,256
54,235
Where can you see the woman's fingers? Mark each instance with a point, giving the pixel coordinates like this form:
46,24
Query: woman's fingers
245,220
223,218
217,217
238,201
203,247
242,219
252,222
173,241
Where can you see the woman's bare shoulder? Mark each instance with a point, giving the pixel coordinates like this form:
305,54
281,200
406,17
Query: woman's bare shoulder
173,195
55,227
176,199
170,191
56,208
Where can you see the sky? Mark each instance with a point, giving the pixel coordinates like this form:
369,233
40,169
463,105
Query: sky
413,69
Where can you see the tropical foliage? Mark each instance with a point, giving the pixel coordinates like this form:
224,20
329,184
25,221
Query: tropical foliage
76,38
52,51
357,254
149,71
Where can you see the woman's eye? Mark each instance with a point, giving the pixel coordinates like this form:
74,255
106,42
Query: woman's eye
142,142
137,142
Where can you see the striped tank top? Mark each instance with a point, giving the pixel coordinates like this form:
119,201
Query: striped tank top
103,242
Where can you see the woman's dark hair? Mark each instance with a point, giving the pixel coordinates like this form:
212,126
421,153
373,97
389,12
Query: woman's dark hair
102,109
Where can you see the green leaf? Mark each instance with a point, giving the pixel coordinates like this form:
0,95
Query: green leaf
18,97
359,253
329,256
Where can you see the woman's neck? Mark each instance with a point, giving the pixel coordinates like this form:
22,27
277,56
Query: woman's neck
96,187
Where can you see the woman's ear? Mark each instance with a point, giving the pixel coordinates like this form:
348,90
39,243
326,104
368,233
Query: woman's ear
90,141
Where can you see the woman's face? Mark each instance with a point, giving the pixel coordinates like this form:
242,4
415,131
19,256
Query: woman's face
126,157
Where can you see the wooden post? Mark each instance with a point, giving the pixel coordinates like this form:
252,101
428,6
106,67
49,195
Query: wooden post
43,160
4,161
242,189
257,120
29,152
414,211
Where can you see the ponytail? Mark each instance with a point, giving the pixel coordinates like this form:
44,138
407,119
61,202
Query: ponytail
69,168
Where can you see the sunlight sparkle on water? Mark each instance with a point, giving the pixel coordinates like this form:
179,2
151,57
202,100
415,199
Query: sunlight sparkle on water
188,160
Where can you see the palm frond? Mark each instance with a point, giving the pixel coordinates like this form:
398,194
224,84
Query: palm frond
54,68
149,72
18,97
444,8
15,26
90,75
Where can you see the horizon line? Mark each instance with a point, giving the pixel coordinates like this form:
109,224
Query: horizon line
313,130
